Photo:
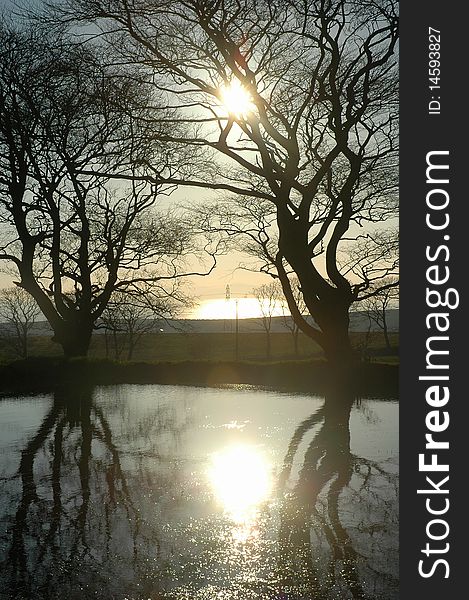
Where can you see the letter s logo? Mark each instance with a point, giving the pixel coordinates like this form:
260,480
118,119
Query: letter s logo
433,569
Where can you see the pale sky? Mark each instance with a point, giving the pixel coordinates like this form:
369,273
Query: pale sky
210,290
227,272
206,289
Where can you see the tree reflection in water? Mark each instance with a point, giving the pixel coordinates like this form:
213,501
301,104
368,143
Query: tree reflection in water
317,553
77,531
104,505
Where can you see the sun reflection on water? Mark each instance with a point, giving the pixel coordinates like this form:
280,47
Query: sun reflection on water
241,479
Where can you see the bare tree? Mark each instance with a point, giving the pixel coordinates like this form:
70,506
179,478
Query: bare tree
288,321
372,259
376,306
124,324
296,104
76,224
267,296
19,312
129,317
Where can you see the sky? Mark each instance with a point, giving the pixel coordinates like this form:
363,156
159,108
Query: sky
210,291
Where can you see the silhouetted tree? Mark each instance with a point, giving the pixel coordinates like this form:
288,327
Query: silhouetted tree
288,321
128,317
376,306
67,125
18,313
313,143
267,296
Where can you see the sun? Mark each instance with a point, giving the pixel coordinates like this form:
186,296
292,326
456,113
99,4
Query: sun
248,308
236,99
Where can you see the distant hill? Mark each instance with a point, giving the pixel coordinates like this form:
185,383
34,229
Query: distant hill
358,322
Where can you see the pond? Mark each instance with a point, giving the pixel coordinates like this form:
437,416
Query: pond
189,493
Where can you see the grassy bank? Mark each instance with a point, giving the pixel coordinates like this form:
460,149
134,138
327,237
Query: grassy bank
44,374
175,347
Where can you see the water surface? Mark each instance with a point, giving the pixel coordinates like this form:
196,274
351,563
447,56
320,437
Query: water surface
189,493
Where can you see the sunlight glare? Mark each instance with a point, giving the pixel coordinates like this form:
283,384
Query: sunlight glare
248,308
236,99
241,479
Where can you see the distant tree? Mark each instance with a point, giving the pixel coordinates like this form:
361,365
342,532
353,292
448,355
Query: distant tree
75,224
376,307
18,313
267,296
124,324
129,317
288,321
299,102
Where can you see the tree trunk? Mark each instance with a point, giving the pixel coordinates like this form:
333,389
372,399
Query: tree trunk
269,349
134,339
75,339
328,305
386,339
73,333
115,339
337,345
24,345
131,348
385,331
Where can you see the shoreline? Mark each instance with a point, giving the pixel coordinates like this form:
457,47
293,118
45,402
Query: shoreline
45,374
